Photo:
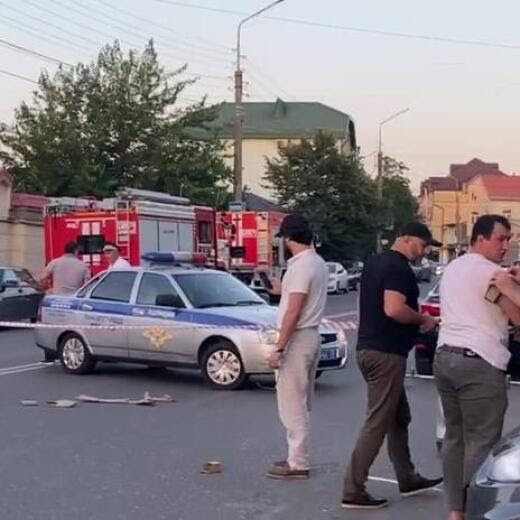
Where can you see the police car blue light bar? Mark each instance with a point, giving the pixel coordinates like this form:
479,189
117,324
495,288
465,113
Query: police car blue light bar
174,257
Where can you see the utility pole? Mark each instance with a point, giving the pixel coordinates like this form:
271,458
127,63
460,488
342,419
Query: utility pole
379,246
239,110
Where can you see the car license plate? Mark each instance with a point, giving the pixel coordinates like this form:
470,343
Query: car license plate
328,354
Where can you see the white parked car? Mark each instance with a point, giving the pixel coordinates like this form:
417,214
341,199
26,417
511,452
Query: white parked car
338,278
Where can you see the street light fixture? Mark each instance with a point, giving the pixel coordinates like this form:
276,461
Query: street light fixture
380,166
237,126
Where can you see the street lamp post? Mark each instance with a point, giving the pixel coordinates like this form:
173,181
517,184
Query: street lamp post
237,125
380,166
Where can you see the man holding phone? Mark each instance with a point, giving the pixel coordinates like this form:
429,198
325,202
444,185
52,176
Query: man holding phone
472,355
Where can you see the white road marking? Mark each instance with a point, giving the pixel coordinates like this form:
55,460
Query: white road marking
20,366
24,368
392,481
335,316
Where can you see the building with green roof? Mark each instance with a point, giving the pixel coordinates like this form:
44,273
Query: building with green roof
267,126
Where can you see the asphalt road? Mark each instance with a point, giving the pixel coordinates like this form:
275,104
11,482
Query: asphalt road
111,462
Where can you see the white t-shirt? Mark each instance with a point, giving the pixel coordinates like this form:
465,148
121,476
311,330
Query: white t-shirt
307,273
120,263
467,319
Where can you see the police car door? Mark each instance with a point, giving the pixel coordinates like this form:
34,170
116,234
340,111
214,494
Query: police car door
108,308
157,308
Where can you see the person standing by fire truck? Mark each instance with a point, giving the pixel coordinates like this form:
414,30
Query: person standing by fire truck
113,254
66,274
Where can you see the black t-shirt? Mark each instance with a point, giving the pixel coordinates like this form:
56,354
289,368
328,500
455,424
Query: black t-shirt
389,270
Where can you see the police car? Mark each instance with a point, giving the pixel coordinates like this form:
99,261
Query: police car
170,314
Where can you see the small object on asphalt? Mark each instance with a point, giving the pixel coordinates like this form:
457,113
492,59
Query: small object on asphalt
211,467
62,403
146,400
165,398
29,402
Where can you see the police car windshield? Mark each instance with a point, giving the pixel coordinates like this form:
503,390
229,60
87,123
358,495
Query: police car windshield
216,290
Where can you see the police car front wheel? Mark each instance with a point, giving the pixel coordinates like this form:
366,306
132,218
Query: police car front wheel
222,367
75,355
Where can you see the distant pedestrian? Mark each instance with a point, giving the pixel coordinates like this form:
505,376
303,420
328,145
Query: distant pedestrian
113,253
472,356
388,323
66,274
297,351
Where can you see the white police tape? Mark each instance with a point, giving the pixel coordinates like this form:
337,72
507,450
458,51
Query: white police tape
342,325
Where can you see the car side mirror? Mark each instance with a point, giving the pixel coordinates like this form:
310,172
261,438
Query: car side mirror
169,300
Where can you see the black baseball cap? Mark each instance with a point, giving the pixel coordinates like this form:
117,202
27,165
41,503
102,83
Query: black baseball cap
293,224
419,230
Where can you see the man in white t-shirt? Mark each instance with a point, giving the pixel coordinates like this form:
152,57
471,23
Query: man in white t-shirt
114,257
472,355
296,355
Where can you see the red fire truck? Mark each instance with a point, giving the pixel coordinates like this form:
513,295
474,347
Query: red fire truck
141,221
247,245
138,221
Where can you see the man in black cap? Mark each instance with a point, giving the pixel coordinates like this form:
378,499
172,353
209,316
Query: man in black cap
388,323
296,355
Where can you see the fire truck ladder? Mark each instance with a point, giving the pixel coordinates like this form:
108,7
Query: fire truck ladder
123,225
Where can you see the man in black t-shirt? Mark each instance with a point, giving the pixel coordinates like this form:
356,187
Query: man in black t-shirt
388,323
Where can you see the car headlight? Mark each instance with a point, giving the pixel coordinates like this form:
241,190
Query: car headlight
342,337
505,465
268,336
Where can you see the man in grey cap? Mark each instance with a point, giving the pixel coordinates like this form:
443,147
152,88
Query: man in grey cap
389,320
296,355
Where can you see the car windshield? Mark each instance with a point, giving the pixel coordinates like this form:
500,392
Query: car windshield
216,290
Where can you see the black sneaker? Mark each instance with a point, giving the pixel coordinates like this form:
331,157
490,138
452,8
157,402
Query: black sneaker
419,486
364,501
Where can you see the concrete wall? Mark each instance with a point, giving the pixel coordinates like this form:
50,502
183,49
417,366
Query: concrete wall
21,235
21,245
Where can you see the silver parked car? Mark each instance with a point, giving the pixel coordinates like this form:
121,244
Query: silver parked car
171,316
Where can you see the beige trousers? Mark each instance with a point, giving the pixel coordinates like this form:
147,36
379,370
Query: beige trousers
294,391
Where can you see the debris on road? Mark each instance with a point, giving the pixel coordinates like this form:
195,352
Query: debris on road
212,467
146,400
29,402
62,403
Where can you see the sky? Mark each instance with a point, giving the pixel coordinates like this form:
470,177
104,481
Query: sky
463,98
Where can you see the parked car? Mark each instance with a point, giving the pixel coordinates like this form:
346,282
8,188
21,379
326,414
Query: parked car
20,295
422,270
495,489
183,316
426,344
354,278
437,268
338,278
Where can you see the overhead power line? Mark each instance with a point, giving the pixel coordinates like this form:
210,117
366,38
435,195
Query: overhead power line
128,28
54,26
26,50
207,47
40,35
18,76
378,32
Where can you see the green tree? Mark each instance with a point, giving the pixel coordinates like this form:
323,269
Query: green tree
314,178
115,122
399,204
